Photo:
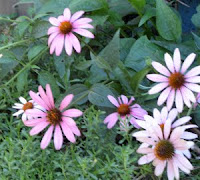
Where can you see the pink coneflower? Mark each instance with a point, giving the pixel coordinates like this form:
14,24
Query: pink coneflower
23,106
124,110
62,32
57,118
164,147
177,81
197,100
169,117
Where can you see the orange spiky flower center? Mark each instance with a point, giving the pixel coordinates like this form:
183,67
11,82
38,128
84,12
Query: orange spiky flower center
123,109
54,116
176,80
65,27
164,150
28,105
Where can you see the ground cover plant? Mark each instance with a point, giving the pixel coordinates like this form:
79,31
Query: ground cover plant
103,89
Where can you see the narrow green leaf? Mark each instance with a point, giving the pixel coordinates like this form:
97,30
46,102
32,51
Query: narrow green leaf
197,40
35,50
150,12
138,5
22,80
167,22
138,77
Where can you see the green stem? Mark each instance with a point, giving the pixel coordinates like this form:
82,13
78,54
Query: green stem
189,111
5,19
25,67
14,44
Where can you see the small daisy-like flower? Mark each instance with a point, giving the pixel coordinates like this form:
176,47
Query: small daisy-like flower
168,118
176,81
55,118
124,110
164,147
63,29
23,106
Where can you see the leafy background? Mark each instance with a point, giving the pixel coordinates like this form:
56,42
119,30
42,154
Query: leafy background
129,34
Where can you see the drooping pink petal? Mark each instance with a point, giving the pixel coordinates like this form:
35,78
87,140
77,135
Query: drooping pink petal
76,16
176,172
131,100
181,121
34,122
38,128
113,100
72,113
44,97
54,21
187,92
142,124
58,138
47,137
157,115
177,59
173,114
193,87
170,99
183,168
68,45
158,131
75,42
67,132
157,78
179,101
144,150
35,113
142,133
60,43
193,72
66,101
52,30
110,117
82,21
163,96
169,62
146,159
194,79
167,128
170,170
187,63
112,122
189,135
176,133
51,38
185,98
75,130
138,113
67,14
38,100
160,68
184,161
50,95
160,168
54,44
84,32
164,114
124,99
69,121
134,123
81,26
158,87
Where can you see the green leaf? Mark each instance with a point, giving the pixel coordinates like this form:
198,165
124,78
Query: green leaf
197,115
138,77
197,40
80,92
100,62
142,51
22,80
40,29
138,5
87,5
22,27
47,78
83,65
149,13
125,46
111,53
60,64
167,22
98,95
196,18
35,50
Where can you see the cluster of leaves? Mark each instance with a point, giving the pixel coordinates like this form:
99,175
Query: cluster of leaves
129,34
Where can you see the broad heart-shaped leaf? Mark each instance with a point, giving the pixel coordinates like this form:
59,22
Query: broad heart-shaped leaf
98,95
196,18
141,51
138,77
197,40
35,50
167,22
138,5
46,77
111,53
40,28
80,92
87,5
